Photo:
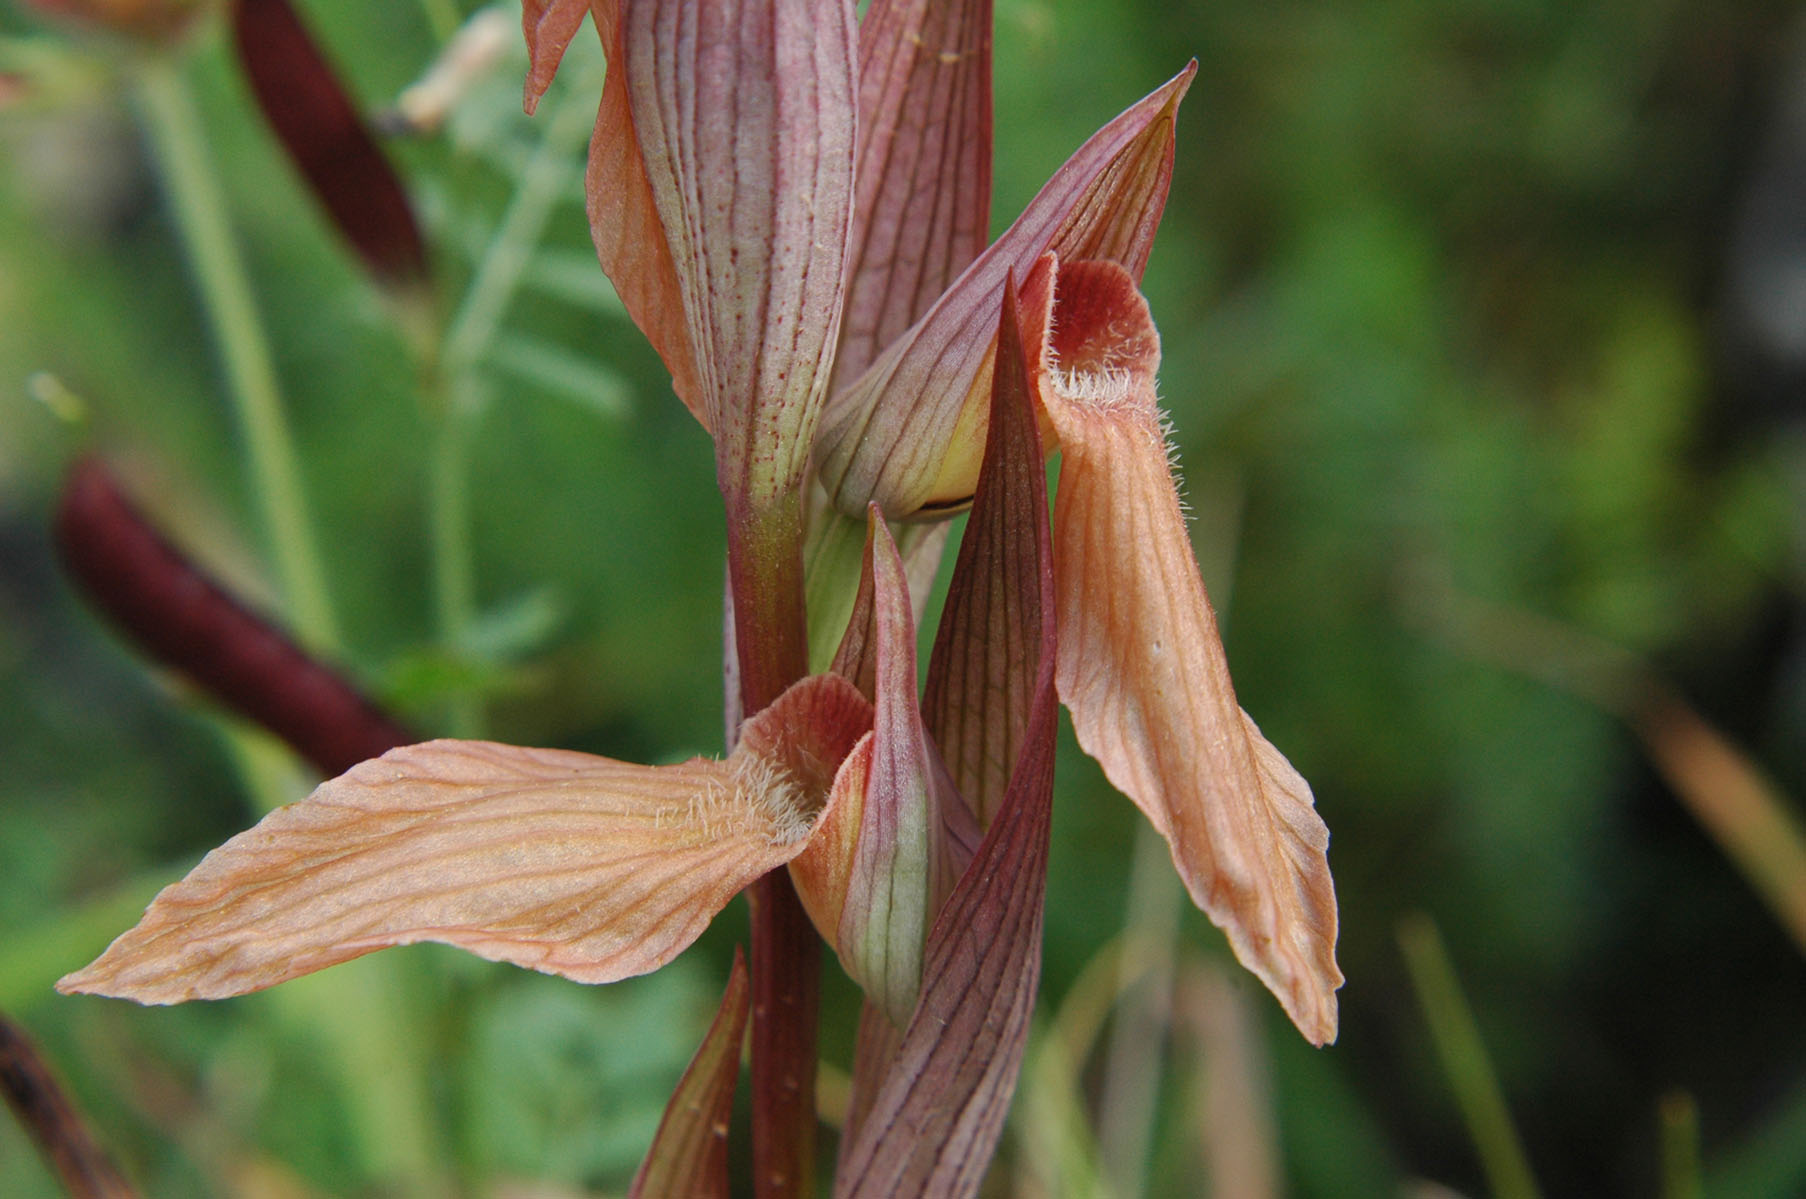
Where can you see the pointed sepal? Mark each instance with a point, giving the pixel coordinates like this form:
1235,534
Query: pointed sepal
934,1123
689,1153
922,207
549,26
981,675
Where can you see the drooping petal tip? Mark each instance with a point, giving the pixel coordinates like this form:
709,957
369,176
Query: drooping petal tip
1142,668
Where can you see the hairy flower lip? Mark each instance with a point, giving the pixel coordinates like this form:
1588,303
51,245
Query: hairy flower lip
1141,663
562,862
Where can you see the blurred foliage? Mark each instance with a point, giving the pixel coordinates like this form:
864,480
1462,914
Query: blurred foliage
1446,299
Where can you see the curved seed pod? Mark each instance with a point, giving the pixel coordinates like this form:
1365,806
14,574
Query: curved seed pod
323,132
184,620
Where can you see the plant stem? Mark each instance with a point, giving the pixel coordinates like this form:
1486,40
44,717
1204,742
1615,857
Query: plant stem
786,1001
454,565
765,573
199,206
53,1121
543,180
457,403
1133,1062
1464,1060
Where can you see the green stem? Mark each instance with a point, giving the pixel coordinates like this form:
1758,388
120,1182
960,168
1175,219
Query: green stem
442,17
452,387
1464,1060
454,569
545,178
1133,1062
197,200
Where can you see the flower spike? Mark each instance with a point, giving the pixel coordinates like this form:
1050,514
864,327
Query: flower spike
1141,666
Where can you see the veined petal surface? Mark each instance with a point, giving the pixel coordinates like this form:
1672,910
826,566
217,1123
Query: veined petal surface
909,433
931,1124
981,676
563,862
742,112
1141,665
922,203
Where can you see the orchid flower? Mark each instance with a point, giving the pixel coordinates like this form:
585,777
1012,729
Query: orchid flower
792,206
1141,663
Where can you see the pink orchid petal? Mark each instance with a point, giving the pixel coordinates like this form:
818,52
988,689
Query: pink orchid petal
909,433
744,111
981,675
933,1124
823,871
922,208
689,1154
563,862
1141,666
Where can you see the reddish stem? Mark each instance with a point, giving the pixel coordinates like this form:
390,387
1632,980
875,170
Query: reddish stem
766,575
786,973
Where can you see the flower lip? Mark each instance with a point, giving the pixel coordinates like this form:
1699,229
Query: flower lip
1142,667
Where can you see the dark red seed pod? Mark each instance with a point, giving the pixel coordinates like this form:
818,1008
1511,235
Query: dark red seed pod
326,137
184,620
46,1112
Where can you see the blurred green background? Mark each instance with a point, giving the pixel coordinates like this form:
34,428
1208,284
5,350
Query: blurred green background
1485,335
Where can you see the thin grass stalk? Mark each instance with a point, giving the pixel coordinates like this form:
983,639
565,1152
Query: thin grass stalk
454,394
1465,1061
198,204
1678,1117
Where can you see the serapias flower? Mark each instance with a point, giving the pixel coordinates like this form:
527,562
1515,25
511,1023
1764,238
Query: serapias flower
1141,663
793,214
